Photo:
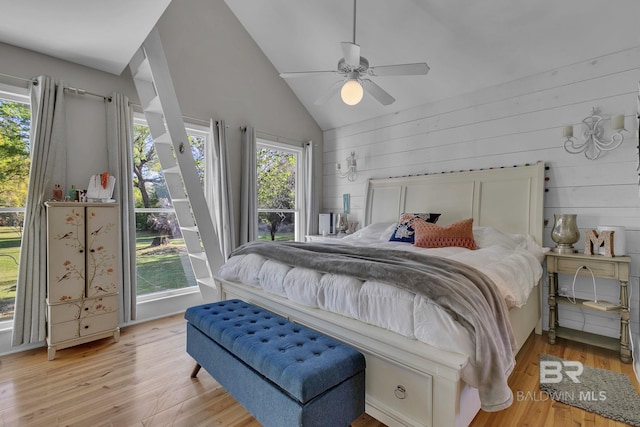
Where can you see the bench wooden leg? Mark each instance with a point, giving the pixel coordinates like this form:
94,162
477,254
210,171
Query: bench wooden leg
195,371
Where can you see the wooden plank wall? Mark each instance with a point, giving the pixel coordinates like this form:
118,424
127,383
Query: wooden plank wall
515,123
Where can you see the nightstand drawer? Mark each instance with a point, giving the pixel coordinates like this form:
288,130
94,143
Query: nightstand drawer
604,269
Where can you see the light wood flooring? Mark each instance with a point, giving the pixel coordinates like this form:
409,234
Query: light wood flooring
144,381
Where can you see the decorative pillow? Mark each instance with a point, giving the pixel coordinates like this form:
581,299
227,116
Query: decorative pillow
404,230
433,236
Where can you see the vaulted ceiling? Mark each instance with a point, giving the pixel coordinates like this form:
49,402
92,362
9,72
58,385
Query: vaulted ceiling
468,44
98,34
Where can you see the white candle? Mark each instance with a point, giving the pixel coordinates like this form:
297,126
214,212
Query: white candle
617,122
568,131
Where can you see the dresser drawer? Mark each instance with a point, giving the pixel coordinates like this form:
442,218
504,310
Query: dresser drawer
73,329
399,392
101,323
604,269
74,310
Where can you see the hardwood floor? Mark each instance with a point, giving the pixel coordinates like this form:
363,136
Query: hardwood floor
144,381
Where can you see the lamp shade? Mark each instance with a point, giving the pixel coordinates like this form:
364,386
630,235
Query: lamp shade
351,92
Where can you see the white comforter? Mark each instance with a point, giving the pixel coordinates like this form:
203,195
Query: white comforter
513,262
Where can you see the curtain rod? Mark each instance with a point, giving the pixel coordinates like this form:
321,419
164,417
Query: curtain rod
22,79
67,88
86,92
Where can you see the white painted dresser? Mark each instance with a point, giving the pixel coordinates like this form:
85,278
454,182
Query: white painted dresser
83,273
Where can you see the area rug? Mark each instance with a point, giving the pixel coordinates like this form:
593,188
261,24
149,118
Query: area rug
600,391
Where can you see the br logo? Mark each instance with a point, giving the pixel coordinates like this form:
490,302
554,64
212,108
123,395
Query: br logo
552,371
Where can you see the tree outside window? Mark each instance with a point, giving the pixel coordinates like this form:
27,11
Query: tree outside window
162,262
277,179
15,122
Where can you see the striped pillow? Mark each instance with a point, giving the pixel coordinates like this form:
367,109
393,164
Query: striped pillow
428,235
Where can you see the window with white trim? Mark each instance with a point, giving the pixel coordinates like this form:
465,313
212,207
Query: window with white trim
162,263
15,123
279,193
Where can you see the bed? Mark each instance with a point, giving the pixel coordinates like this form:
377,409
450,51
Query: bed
416,377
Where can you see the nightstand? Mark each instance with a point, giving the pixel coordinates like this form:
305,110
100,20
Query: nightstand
615,268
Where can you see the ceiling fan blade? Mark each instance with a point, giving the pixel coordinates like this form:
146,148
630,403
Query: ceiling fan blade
351,53
377,92
335,88
417,69
306,74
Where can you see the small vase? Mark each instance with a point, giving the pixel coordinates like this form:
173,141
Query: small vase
565,233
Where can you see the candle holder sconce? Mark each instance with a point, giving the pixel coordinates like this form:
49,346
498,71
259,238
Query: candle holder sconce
594,136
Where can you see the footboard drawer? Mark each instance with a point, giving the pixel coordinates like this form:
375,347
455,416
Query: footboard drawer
401,394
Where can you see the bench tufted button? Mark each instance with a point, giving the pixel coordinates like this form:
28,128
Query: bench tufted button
264,340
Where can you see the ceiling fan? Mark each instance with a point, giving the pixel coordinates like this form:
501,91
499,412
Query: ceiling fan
355,72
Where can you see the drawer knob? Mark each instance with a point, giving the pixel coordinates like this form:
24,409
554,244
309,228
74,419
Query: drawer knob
86,309
86,326
400,392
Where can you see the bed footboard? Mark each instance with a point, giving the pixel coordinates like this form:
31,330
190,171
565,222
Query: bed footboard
408,383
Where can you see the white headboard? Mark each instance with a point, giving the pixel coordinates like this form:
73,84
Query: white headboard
509,199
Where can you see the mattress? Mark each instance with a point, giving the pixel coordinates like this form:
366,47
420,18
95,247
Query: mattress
512,262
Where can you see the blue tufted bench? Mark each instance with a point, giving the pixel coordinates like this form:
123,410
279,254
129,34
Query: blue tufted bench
283,373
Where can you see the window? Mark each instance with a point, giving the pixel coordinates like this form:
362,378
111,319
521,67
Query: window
15,122
162,262
279,169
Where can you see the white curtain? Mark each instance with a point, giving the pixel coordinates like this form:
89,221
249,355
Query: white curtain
48,167
310,190
249,192
217,186
120,160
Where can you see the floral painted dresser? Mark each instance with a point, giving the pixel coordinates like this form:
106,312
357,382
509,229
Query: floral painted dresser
83,273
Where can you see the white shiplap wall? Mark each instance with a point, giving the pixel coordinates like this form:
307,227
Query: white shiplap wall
512,124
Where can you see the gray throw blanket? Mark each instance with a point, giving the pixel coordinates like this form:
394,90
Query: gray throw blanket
468,295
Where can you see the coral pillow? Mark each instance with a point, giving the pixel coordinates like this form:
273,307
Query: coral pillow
434,236
404,231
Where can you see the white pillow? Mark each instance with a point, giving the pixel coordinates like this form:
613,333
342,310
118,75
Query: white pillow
381,230
489,236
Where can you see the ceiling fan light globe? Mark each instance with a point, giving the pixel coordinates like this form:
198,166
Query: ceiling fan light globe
351,92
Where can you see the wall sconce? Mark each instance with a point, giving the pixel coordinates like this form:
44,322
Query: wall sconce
350,174
593,134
